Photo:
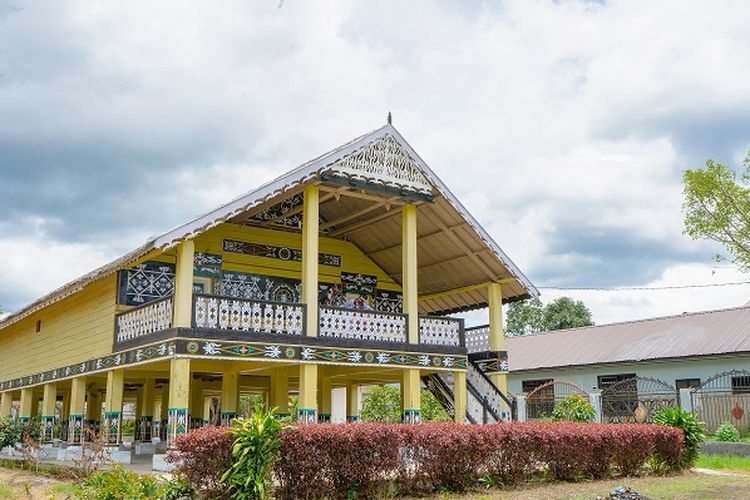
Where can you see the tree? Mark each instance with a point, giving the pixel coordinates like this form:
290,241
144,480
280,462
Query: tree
383,404
717,207
531,316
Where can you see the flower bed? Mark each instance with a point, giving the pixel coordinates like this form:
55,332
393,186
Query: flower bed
367,459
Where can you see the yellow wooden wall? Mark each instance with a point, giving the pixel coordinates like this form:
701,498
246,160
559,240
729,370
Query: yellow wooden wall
352,259
74,329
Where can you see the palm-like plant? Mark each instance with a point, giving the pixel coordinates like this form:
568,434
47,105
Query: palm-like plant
691,427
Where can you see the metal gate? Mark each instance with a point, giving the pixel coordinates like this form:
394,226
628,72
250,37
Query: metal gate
541,401
636,400
725,397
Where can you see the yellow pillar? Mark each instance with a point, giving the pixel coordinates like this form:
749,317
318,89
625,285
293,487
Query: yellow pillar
179,399
307,406
77,407
324,396
352,402
163,411
183,285
497,333
409,269
49,404
411,396
230,396
6,404
146,405
196,403
113,406
26,411
310,217
280,392
459,396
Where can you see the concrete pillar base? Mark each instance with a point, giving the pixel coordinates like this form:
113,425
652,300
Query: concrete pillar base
120,456
145,448
70,453
160,464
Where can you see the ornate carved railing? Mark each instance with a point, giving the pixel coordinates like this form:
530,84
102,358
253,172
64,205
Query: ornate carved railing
440,331
478,339
496,402
362,325
230,313
144,320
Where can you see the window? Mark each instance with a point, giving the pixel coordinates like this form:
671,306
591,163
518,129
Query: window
529,385
741,384
38,325
687,383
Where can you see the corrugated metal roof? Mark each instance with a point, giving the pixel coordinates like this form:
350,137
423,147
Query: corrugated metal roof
446,209
690,334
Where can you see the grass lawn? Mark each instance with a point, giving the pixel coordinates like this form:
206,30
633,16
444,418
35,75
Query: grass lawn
689,485
15,483
724,462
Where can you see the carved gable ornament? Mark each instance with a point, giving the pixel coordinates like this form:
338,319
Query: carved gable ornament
386,163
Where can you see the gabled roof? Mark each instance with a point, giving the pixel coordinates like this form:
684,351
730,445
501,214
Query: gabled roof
447,227
725,331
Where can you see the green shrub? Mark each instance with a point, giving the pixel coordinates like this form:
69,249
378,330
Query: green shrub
256,444
128,428
383,404
10,432
118,484
727,432
691,427
573,408
177,489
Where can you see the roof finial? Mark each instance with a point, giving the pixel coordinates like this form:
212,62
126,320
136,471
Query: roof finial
390,118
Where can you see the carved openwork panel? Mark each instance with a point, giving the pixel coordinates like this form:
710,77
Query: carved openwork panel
246,315
478,339
439,331
144,320
362,325
384,162
484,387
636,400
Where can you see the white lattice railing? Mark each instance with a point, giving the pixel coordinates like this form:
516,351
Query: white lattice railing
478,339
489,393
228,313
144,320
440,331
362,325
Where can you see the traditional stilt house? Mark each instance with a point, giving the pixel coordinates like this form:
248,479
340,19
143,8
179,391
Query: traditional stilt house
342,272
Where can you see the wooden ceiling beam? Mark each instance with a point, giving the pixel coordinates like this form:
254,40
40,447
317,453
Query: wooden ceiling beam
328,196
420,237
440,263
355,215
361,225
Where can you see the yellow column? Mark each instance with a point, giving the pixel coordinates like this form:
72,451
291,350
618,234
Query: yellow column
93,411
230,396
352,402
310,216
409,270
324,396
146,405
77,407
163,411
307,407
179,399
183,285
280,392
26,410
196,403
411,395
49,404
6,404
497,334
459,396
113,406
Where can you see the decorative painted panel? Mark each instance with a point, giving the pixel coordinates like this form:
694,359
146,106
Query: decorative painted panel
177,424
207,264
388,301
146,282
307,415
75,429
412,416
274,252
362,325
113,427
492,361
248,315
384,162
146,428
259,287
48,429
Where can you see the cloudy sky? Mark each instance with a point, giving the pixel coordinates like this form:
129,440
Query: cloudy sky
563,126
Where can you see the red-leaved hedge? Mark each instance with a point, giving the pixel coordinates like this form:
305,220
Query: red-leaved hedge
318,461
201,456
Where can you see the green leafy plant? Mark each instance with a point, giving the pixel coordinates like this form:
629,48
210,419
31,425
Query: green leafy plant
383,404
692,429
10,432
177,489
574,408
117,484
727,432
256,443
128,428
